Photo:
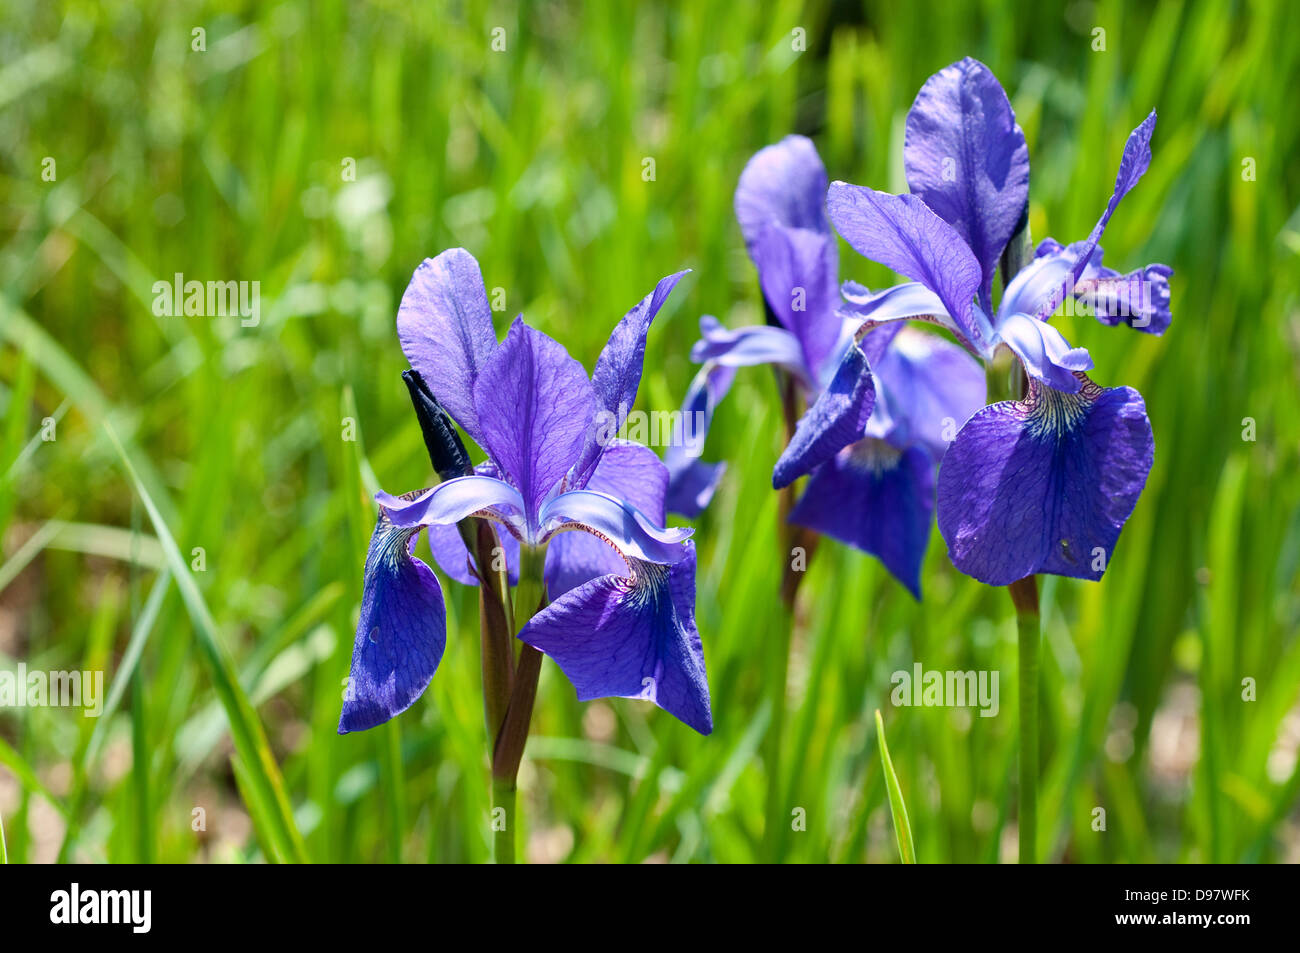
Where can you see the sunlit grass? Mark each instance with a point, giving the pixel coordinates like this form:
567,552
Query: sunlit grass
228,164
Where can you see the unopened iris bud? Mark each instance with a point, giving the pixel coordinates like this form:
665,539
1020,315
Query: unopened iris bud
446,451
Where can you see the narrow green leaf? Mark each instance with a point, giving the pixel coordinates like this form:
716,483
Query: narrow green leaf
261,771
898,809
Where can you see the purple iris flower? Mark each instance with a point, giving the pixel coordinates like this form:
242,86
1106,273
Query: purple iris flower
622,587
877,404
1043,484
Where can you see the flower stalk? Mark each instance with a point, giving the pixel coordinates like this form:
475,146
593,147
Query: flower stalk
508,746
1024,594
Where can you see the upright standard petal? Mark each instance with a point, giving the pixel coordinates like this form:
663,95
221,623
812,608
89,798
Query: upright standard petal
445,326
629,472
838,418
966,157
401,633
1045,484
784,184
631,636
902,233
535,407
617,376
1132,165
875,498
798,272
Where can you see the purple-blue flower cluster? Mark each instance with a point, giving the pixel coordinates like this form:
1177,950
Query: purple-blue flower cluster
620,621
1042,484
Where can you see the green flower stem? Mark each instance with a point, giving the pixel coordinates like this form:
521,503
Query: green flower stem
508,746
1024,594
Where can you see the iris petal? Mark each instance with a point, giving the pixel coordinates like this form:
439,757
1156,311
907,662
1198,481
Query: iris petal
445,327
838,418
784,184
745,347
902,233
929,387
878,499
401,633
798,270
615,520
452,501
966,157
536,408
629,472
1045,484
1132,165
617,376
691,481
1044,351
631,637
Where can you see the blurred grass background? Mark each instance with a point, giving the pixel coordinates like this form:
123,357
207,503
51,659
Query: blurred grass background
227,164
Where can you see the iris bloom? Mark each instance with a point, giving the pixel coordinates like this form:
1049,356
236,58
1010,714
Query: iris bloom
622,587
1043,484
879,407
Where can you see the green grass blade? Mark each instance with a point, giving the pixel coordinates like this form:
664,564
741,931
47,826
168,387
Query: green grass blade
260,769
897,808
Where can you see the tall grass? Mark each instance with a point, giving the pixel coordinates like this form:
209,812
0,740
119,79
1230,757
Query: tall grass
228,164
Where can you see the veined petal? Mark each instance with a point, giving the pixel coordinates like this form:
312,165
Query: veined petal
401,633
617,376
784,184
631,637
691,481
445,327
1045,484
445,541
875,498
910,301
618,522
902,233
745,347
535,408
1132,165
966,157
452,501
798,271
1044,351
929,387
1035,284
626,471
838,418
1139,299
